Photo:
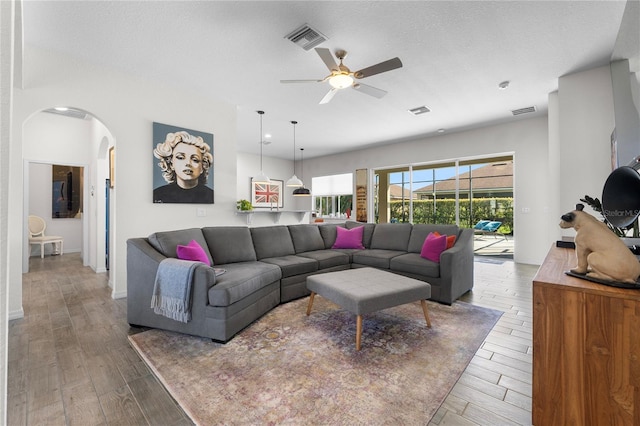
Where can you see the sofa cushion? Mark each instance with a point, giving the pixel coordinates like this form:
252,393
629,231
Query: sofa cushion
192,251
391,236
327,258
367,233
376,257
348,238
329,234
293,265
229,244
166,242
433,247
414,264
306,238
420,231
272,241
240,280
348,252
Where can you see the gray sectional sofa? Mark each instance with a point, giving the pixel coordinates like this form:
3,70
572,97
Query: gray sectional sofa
266,266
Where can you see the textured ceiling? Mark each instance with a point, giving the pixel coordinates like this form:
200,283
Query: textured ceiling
455,53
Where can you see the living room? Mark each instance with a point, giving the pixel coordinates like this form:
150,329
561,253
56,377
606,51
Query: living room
560,156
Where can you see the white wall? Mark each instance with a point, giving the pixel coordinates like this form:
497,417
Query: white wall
54,139
276,169
127,107
585,119
70,141
8,15
526,139
558,159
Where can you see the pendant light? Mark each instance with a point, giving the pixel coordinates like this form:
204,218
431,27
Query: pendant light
302,191
261,178
293,181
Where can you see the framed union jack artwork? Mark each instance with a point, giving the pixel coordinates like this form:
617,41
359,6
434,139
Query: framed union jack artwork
267,194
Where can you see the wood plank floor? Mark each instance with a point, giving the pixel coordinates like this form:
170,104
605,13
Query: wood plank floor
70,362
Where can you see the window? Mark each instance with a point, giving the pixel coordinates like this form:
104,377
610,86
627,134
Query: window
333,195
460,192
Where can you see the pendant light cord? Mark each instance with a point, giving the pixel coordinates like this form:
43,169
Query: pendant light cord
261,142
294,146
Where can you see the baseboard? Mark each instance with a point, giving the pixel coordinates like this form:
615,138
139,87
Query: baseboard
48,253
119,295
16,314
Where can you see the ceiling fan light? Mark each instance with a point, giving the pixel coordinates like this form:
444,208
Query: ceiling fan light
301,192
294,182
341,81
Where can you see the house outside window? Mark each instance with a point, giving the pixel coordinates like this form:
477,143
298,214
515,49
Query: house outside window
447,193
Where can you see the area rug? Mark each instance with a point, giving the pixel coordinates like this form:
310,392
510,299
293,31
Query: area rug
289,368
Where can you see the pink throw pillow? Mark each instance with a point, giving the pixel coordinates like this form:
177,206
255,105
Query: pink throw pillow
193,251
433,246
349,238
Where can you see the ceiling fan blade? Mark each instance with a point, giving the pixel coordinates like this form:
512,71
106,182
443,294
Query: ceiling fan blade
327,57
301,81
369,90
385,66
328,96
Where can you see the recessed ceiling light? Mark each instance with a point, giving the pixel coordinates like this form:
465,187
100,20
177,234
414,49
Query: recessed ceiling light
503,85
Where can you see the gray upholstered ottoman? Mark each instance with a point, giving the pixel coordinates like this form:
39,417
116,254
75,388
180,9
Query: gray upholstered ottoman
366,290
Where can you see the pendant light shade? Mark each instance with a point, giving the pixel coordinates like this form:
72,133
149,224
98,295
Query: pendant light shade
261,177
302,191
293,181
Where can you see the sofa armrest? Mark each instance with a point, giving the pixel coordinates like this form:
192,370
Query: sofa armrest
456,267
142,264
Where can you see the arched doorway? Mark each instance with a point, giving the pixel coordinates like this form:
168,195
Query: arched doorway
72,137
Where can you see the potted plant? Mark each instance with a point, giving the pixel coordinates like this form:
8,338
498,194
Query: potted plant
244,205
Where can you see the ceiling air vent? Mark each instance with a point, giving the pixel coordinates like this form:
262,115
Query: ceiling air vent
521,111
419,110
306,37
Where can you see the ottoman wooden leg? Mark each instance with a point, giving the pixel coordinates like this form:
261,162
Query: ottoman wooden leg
358,331
310,303
426,312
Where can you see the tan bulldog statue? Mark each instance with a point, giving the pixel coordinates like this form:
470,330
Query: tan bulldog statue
601,254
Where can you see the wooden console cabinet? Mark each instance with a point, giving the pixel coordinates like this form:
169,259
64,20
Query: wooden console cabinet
586,348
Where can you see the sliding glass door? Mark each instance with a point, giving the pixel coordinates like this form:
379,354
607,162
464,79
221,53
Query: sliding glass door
459,192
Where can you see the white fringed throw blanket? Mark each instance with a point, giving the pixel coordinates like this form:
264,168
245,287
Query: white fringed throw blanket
172,290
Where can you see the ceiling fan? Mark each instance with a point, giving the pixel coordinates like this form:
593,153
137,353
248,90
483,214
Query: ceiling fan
342,77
